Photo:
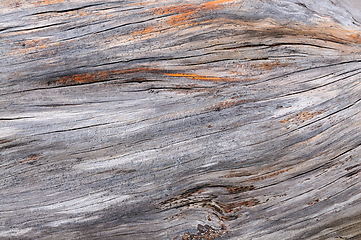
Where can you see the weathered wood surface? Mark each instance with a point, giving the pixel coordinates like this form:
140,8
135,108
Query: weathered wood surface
180,119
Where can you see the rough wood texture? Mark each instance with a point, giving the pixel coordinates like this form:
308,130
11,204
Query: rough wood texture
180,119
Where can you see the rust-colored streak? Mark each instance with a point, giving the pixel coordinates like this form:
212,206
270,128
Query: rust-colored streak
185,15
83,78
183,196
314,202
30,45
185,12
33,42
235,207
270,65
43,2
350,168
145,31
234,175
235,190
100,76
270,175
184,8
205,232
301,117
355,37
30,159
202,77
5,141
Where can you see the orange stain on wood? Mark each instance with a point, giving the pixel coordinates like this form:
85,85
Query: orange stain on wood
82,78
301,117
33,42
184,8
31,45
355,37
216,4
147,30
104,75
99,76
30,159
186,12
43,2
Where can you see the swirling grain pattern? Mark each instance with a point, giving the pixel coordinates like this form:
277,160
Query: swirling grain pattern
223,119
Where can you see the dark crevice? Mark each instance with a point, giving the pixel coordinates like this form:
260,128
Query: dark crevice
274,45
304,70
115,27
66,10
16,118
72,129
40,27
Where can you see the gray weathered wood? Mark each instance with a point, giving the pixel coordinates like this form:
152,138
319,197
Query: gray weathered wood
180,119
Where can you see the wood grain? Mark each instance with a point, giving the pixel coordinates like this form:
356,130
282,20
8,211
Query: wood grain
184,120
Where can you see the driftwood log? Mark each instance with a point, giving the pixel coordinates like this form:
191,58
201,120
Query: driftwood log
171,119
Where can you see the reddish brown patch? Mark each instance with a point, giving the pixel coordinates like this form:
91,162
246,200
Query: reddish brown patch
270,65
100,76
270,175
235,207
30,159
33,42
186,12
104,75
355,37
349,168
314,202
183,13
184,8
147,30
216,4
234,190
183,195
205,232
43,2
237,175
30,45
5,141
301,117
83,78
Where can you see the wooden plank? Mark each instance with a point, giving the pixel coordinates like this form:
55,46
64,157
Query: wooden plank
172,119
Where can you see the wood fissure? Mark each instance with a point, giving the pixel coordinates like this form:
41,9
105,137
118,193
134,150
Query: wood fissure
204,119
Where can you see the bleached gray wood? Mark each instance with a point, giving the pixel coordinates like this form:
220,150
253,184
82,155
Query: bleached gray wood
180,119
